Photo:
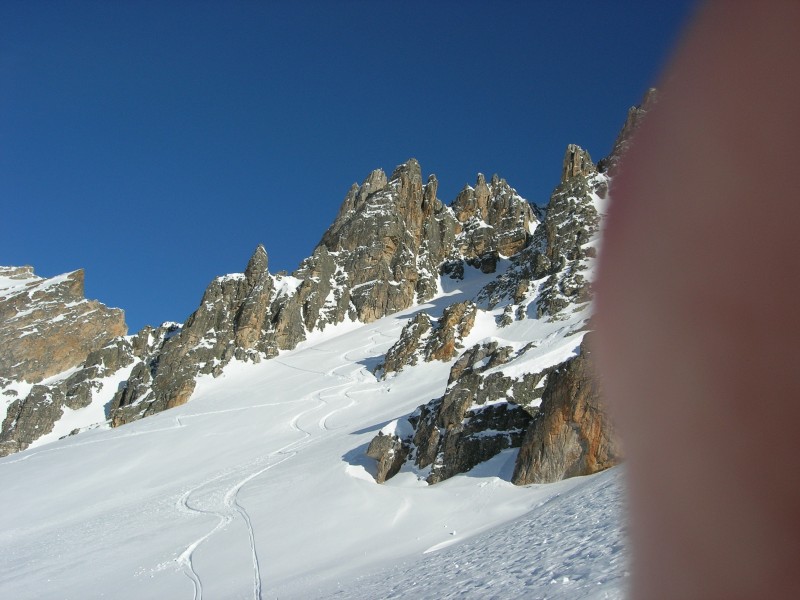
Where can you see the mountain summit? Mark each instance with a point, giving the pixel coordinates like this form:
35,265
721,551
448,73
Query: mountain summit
382,254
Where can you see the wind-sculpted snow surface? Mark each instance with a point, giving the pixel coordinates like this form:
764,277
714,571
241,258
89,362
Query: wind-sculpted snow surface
569,547
260,487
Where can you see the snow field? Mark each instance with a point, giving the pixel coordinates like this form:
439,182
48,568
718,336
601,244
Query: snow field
259,488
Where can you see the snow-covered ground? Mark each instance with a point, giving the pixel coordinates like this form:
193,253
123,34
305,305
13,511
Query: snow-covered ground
259,488
569,546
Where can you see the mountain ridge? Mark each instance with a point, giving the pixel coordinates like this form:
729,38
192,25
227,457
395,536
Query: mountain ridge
390,244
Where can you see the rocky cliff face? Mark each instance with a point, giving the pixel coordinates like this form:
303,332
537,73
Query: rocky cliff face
492,220
482,412
490,404
382,254
424,339
388,240
47,328
554,414
34,415
572,433
230,322
561,250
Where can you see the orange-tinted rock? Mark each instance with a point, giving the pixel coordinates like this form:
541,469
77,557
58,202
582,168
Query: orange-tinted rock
48,326
572,435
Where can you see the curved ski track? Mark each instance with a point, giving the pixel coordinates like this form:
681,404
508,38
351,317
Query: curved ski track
230,506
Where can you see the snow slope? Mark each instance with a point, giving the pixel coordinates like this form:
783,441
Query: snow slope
569,546
259,488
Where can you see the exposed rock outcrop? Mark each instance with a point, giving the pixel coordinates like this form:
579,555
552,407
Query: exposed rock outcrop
572,434
230,322
388,241
386,250
482,412
34,415
577,163
572,223
492,220
556,258
390,452
47,326
422,339
556,417
409,349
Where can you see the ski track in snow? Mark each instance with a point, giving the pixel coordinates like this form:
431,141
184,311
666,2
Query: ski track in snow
226,514
178,424
231,507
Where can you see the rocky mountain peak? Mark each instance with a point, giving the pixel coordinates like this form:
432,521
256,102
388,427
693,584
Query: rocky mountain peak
17,273
376,197
554,414
385,252
258,265
47,329
375,182
410,169
577,163
492,220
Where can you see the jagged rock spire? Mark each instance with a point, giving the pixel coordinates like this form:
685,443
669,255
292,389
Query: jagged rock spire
577,163
257,265
375,182
429,197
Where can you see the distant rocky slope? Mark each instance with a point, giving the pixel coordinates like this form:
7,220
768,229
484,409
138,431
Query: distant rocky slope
46,328
382,254
391,247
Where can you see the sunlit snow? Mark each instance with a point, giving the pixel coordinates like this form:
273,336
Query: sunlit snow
259,488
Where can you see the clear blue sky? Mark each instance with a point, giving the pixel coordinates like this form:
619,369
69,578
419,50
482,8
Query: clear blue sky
155,144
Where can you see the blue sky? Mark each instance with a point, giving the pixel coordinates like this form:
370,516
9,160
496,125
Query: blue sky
155,144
